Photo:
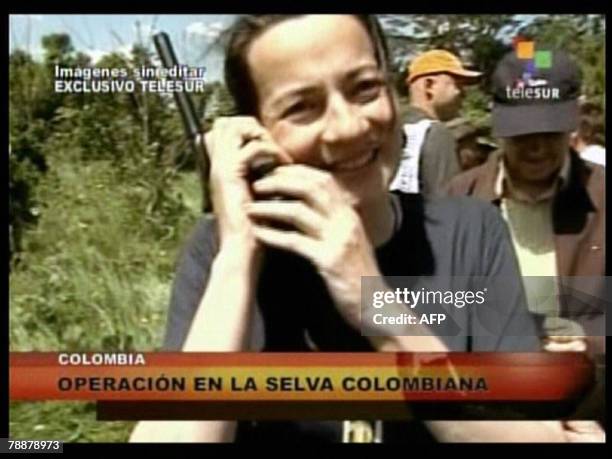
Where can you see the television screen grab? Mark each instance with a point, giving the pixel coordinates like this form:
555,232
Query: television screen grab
306,229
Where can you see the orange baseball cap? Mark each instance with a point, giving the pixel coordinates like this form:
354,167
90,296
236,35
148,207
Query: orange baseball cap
439,61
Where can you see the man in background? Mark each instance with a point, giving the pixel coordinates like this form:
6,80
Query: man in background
552,200
436,81
588,139
473,143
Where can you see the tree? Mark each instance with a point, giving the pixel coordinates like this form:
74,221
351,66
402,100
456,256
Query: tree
58,48
30,108
477,39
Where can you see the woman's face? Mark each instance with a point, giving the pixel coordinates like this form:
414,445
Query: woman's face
325,101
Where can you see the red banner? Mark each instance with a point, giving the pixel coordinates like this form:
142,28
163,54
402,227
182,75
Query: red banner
338,377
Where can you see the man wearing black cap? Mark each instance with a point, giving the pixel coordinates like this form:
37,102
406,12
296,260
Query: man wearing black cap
552,200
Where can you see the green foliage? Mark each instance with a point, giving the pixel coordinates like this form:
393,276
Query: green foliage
98,253
94,274
98,212
476,38
57,48
68,421
476,107
25,168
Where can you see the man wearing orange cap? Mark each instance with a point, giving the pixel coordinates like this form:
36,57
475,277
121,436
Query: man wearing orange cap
435,79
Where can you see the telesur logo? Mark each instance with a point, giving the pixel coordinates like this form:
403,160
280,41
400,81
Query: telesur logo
529,86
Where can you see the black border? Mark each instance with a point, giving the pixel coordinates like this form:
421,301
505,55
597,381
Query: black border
233,7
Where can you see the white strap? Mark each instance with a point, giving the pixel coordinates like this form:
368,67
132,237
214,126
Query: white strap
407,178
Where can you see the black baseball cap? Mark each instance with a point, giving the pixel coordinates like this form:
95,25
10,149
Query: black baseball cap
535,91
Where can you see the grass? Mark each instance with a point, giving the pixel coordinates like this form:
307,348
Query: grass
94,275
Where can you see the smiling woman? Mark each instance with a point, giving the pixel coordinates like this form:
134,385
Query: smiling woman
281,275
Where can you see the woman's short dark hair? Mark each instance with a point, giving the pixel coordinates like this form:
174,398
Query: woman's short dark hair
247,28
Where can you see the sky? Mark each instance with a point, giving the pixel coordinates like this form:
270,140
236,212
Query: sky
97,35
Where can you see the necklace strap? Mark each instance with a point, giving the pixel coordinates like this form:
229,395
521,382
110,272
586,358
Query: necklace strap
398,215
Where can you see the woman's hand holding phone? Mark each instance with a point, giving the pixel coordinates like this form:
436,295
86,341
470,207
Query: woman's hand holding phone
326,230
233,144
314,221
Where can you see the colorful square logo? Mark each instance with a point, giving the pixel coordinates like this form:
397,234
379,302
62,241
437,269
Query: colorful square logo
543,59
525,49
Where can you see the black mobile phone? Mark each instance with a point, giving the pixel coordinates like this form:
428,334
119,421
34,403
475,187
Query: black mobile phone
193,128
261,166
